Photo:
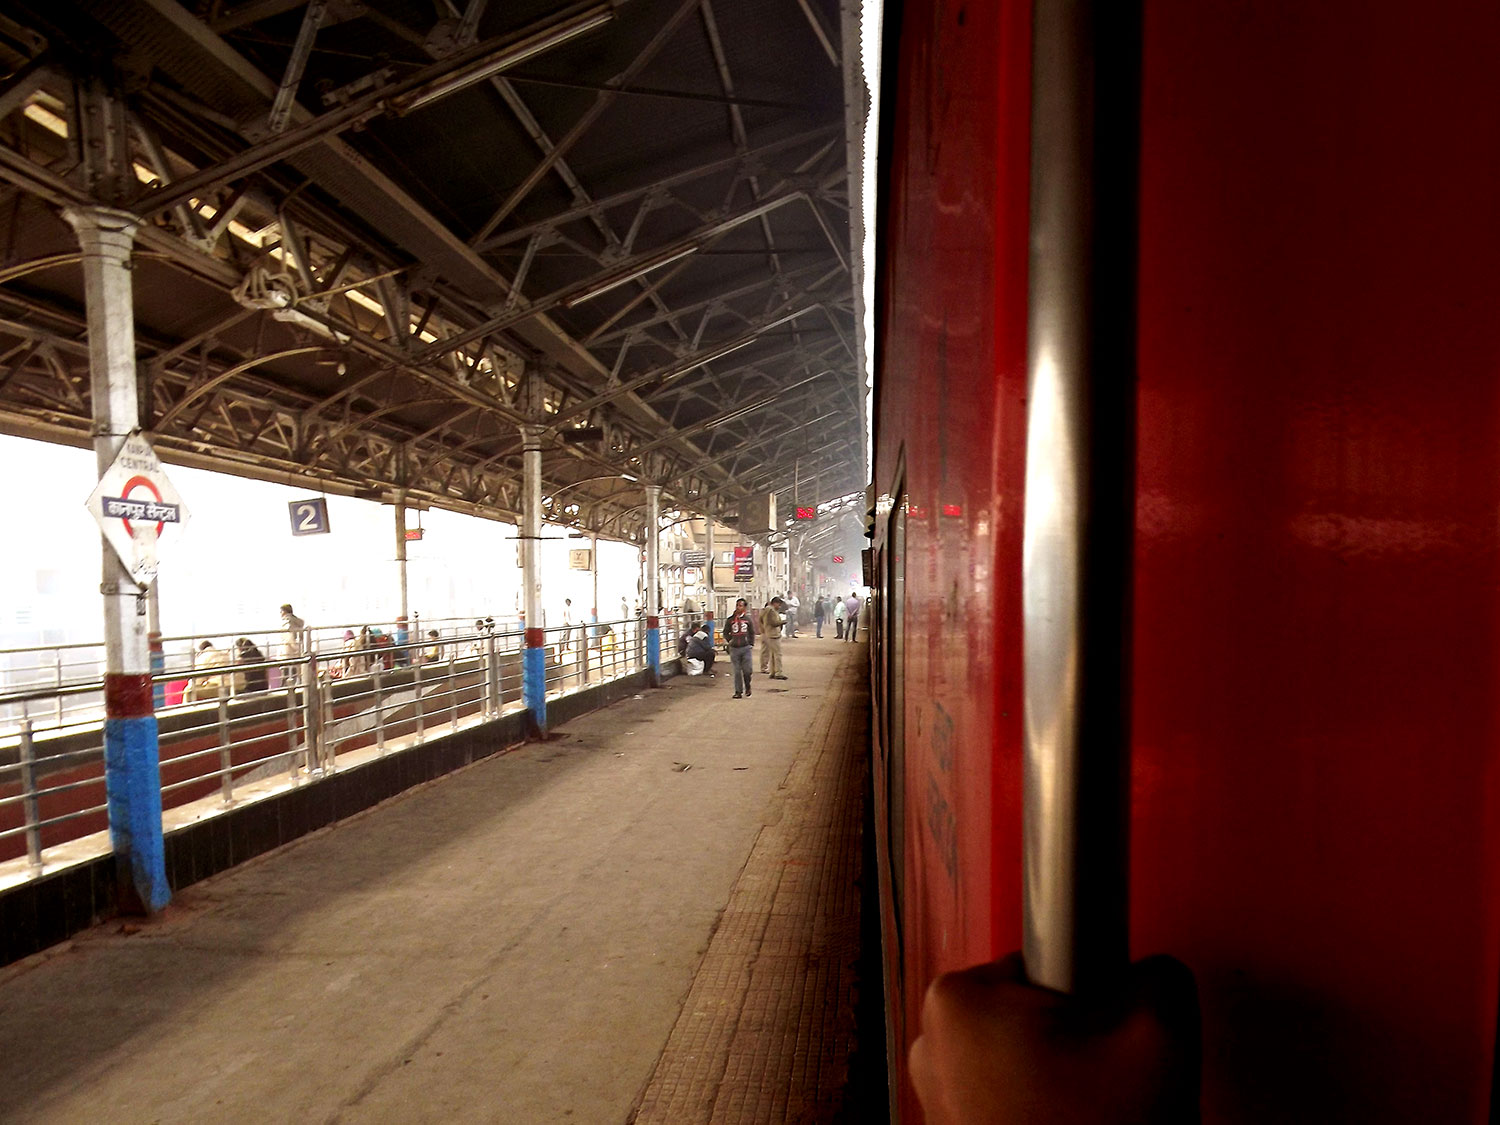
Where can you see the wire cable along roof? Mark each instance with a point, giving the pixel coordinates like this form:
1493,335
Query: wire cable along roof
377,238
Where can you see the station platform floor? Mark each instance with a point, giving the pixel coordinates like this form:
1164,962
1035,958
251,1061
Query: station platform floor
654,916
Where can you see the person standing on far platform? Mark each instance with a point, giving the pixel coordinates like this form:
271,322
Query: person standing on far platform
739,635
403,638
819,608
772,619
292,650
839,613
851,612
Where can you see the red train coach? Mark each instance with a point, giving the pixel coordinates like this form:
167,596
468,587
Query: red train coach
1306,576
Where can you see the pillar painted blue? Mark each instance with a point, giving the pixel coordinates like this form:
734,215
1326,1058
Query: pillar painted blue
132,784
653,649
708,627
158,668
534,677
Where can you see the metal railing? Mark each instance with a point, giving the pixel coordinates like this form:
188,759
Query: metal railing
230,730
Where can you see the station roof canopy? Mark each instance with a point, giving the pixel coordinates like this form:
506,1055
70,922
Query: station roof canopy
376,239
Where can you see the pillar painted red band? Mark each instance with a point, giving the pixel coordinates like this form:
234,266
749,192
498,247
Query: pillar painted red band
536,638
653,622
128,696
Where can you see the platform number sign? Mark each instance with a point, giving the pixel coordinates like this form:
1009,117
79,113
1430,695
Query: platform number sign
310,517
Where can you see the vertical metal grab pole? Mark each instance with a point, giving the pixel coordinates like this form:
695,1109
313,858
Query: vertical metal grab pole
1080,490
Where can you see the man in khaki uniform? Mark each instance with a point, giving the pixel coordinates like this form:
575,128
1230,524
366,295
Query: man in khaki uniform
771,620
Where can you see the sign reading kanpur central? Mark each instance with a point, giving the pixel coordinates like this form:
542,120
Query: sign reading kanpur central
133,505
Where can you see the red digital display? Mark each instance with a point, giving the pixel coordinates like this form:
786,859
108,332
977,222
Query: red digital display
807,513
838,558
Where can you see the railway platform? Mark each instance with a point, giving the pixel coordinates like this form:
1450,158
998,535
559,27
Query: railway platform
652,916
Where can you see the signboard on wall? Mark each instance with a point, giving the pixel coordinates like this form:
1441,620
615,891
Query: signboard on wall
580,558
744,564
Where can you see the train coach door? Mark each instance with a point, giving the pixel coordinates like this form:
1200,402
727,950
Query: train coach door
895,695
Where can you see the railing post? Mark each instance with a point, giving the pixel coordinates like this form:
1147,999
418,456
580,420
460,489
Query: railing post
57,678
226,778
379,711
421,722
452,692
289,696
310,733
326,750
491,677
29,797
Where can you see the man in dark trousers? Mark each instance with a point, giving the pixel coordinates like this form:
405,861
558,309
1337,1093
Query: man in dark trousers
739,635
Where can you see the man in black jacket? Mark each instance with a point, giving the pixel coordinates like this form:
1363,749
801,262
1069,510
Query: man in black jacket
739,635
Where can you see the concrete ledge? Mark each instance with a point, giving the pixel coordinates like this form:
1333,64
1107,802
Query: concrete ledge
50,909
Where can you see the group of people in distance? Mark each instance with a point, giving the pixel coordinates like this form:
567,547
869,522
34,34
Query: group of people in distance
843,612
245,651
358,656
743,628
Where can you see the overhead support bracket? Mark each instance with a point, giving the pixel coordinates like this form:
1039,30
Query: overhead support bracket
286,95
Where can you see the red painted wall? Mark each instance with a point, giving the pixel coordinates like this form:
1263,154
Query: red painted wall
1319,498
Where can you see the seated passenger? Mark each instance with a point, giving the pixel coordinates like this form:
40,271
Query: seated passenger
209,687
247,652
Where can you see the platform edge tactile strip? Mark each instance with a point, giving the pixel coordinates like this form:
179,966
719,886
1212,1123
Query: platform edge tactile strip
768,1024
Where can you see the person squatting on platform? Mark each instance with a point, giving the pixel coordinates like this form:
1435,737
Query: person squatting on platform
739,635
695,645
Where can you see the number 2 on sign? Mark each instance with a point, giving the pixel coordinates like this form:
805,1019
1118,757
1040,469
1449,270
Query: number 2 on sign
309,517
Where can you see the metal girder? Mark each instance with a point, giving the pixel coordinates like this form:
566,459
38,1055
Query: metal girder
733,413
584,211
281,108
623,270
602,102
403,95
212,398
673,370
